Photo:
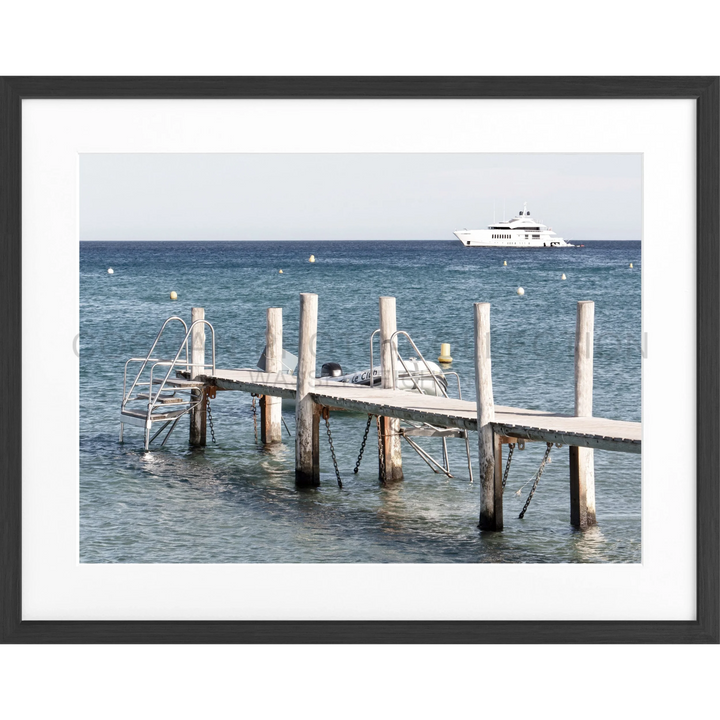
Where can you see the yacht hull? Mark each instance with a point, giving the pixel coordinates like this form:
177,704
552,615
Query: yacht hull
481,238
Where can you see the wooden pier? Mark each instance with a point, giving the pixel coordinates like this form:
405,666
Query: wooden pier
496,425
588,432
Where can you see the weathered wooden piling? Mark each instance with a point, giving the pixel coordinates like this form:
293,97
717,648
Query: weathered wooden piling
198,415
582,465
489,445
389,428
307,412
271,407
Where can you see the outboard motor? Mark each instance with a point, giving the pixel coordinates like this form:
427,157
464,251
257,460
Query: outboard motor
331,370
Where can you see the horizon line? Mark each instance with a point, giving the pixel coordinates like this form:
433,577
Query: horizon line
352,240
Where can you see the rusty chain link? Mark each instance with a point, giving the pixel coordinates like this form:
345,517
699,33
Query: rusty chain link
511,450
210,420
362,447
381,452
254,412
537,480
326,417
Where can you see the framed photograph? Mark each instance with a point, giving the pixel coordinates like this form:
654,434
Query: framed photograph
360,360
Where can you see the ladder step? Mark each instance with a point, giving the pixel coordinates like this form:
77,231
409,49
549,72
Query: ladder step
155,416
138,417
433,432
164,400
180,383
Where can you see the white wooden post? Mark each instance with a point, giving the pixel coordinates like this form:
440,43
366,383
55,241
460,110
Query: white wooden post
307,413
582,465
389,428
198,415
491,510
271,407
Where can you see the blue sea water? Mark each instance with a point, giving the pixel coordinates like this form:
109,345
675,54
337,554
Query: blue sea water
235,502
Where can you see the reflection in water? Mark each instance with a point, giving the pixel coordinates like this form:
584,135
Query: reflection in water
590,545
392,511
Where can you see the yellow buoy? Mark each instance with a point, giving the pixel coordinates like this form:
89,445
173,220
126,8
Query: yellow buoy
445,353
631,264
173,295
520,291
281,272
504,262
562,277
110,271
312,258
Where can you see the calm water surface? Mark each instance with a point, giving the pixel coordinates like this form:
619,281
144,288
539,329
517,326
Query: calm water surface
235,502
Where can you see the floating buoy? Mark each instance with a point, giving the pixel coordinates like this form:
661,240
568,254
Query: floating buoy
280,272
562,277
505,262
520,291
110,271
173,295
312,258
445,353
631,265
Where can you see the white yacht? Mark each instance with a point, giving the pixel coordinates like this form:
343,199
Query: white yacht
520,231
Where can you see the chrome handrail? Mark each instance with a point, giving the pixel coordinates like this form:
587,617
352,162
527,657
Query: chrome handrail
125,372
457,377
467,439
152,402
420,355
407,372
148,357
416,447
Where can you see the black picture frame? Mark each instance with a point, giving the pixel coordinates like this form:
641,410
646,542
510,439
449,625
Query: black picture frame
705,91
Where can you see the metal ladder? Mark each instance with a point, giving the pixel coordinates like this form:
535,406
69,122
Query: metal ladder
163,399
409,429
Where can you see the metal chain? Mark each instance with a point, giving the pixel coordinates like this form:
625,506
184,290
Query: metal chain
210,420
254,412
381,451
537,480
326,416
511,450
362,447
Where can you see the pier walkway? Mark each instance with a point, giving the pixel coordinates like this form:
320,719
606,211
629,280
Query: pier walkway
591,432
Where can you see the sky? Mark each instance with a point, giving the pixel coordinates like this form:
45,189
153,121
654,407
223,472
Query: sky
363,196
